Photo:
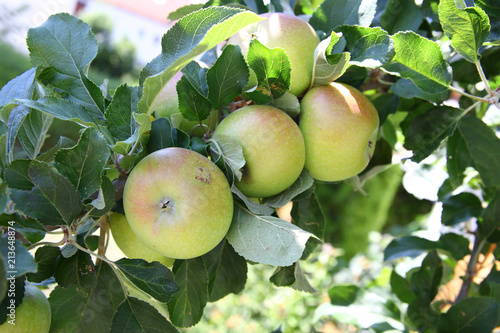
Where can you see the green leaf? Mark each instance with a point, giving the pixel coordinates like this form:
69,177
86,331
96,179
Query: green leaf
458,158
84,163
222,146
490,6
73,312
105,200
307,214
48,155
134,315
460,208
456,245
227,77
227,271
53,199
62,109
429,129
288,103
283,276
152,278
484,148
196,73
142,124
401,288
22,87
28,227
46,259
406,88
67,45
369,47
18,260
470,315
327,66
331,14
426,281
303,183
19,285
420,60
78,271
32,132
192,35
266,239
468,28
254,207
301,282
407,246
118,115
491,219
272,68
163,135
186,306
183,11
401,15
193,105
343,295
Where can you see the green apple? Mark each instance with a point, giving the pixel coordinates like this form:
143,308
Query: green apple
294,35
32,315
339,125
166,104
273,148
178,202
130,245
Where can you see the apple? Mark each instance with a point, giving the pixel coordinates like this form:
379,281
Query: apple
294,35
272,145
130,245
32,315
339,125
166,105
178,202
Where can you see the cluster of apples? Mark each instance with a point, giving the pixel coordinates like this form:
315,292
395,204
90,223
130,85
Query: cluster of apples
185,205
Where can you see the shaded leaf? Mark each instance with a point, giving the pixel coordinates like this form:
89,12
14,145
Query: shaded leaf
460,208
429,129
32,132
73,312
343,294
303,183
401,15
118,116
470,315
193,105
134,315
426,281
53,199
458,158
401,288
84,164
223,146
152,278
186,306
407,246
369,47
46,259
331,14
18,260
484,148
78,271
227,271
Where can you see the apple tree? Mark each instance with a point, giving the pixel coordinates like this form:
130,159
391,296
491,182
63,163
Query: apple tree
428,67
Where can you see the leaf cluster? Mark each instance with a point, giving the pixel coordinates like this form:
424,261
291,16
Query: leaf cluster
392,52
